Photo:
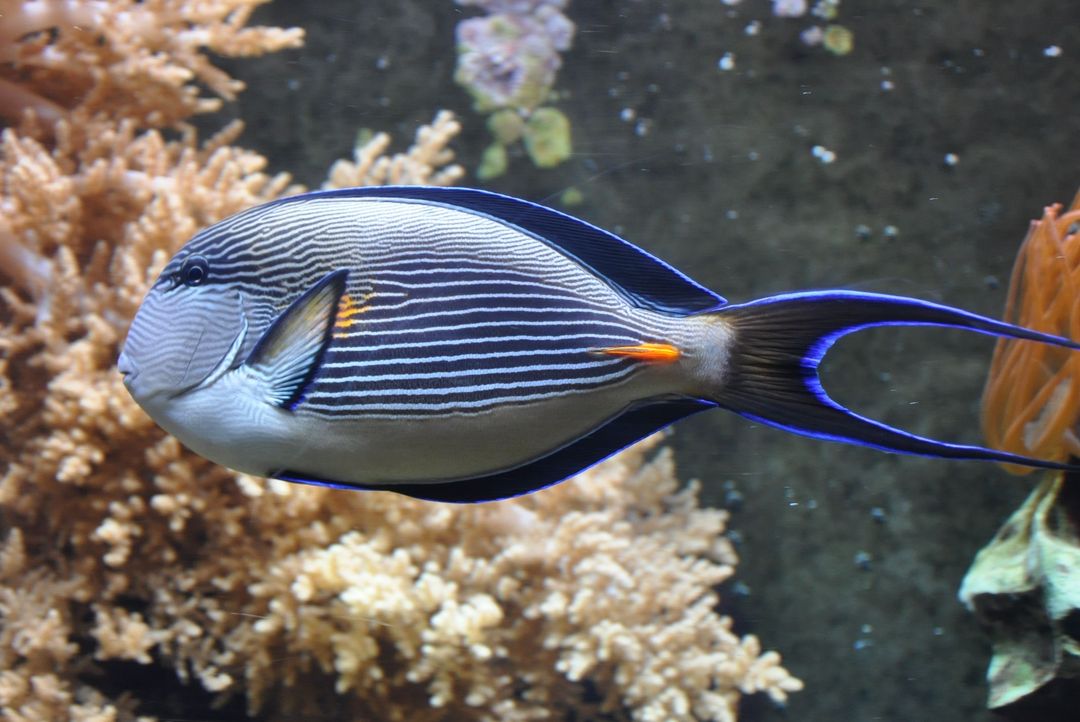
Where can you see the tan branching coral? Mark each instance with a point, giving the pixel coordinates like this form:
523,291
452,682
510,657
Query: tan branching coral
116,544
427,162
502,611
92,199
137,59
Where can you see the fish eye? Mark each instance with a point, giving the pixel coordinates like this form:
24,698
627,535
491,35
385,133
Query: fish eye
194,271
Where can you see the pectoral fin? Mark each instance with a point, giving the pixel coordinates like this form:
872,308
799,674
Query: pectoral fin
288,355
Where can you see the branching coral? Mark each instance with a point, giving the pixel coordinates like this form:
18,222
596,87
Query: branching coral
497,612
118,545
139,59
92,198
500,612
427,162
1032,398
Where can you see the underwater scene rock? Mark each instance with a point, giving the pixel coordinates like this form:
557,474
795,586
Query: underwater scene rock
1024,588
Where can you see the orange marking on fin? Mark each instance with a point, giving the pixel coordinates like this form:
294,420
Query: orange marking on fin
662,353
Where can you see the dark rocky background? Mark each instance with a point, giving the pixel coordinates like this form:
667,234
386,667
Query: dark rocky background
850,558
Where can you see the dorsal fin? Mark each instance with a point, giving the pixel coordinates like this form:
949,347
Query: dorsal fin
634,424
644,280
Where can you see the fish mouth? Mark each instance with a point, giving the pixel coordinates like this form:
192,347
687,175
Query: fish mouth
126,368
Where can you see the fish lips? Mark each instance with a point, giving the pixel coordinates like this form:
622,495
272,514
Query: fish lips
124,364
126,368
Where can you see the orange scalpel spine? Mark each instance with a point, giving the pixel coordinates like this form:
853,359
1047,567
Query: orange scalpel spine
661,353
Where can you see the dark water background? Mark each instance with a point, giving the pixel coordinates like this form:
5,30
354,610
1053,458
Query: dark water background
885,638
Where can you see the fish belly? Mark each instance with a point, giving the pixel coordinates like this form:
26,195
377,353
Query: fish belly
453,446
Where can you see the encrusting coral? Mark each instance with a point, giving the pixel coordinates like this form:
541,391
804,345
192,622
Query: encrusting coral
117,545
1032,398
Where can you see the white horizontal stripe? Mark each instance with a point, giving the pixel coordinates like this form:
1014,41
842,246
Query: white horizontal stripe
370,321
457,357
470,260
597,323
538,276
565,387
376,378
608,339
585,305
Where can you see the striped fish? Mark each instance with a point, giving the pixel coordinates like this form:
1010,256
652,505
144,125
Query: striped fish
459,345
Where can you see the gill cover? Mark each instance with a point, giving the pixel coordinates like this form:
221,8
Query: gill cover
180,335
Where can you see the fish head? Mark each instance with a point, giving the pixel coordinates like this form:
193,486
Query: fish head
187,331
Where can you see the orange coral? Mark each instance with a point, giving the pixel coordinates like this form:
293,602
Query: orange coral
1032,399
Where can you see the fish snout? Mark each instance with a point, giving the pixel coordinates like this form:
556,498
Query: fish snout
126,367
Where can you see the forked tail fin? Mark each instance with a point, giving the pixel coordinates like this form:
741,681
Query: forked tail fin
779,342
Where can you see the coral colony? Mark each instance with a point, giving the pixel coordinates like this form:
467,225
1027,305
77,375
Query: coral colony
507,61
509,57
